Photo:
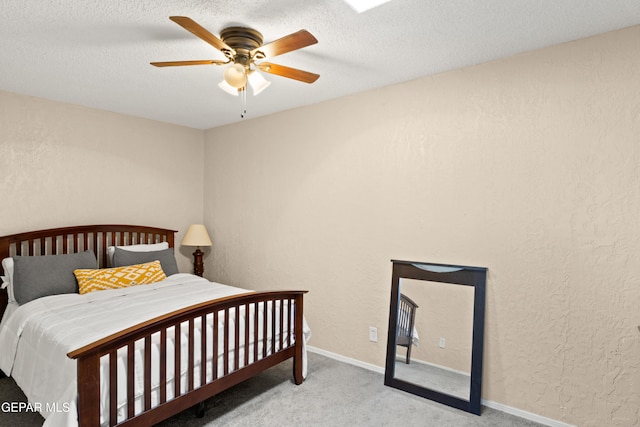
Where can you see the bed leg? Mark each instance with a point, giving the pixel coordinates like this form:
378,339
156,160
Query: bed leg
299,334
297,370
200,409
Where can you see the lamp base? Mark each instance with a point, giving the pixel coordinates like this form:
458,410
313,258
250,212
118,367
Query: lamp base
198,265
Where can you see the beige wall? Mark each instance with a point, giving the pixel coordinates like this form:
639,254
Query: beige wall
529,166
67,165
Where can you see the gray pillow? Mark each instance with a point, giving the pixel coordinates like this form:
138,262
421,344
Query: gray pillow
123,257
40,276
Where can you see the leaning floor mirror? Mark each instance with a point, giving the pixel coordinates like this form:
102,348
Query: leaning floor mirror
436,332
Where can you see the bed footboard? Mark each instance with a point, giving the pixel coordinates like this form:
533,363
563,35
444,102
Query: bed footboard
168,364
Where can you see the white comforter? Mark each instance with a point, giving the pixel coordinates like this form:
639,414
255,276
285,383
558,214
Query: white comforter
35,339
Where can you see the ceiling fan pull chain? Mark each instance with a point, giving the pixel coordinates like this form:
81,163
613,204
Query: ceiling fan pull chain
243,98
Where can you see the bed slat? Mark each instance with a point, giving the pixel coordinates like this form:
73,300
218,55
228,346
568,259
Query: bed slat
215,345
236,343
265,326
246,334
291,321
163,365
226,342
203,349
280,337
273,326
256,332
177,365
130,379
113,388
147,372
191,361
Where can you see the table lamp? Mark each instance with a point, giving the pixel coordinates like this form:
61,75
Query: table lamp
197,236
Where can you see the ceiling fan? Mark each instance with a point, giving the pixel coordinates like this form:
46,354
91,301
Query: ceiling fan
243,47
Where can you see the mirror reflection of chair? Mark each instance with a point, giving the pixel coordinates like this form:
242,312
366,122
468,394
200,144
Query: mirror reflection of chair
406,322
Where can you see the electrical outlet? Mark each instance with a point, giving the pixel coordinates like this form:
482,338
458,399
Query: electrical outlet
373,334
442,343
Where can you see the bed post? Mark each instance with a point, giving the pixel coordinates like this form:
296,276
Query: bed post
89,390
299,335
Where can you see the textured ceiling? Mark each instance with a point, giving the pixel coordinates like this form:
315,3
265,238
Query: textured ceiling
97,54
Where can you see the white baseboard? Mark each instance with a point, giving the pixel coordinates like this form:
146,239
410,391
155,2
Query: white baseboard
444,368
524,414
488,403
345,359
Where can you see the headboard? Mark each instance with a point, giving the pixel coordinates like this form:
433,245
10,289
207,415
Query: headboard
75,239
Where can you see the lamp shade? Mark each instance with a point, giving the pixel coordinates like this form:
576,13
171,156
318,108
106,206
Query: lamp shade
196,236
258,82
228,88
236,76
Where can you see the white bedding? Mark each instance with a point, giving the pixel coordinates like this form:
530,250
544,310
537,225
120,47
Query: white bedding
11,307
36,357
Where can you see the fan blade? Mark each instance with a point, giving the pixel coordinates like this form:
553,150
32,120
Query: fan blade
291,73
195,28
180,63
293,41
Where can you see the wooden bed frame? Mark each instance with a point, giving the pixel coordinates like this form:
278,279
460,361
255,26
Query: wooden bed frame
98,238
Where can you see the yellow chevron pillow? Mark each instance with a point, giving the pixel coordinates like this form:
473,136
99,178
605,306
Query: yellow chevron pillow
120,277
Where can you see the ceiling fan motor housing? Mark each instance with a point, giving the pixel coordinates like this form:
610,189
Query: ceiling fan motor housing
243,40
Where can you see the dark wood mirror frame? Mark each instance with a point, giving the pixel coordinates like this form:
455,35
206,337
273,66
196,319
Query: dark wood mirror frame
457,275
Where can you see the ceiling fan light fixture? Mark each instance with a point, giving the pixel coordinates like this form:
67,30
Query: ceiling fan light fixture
228,88
258,82
235,75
